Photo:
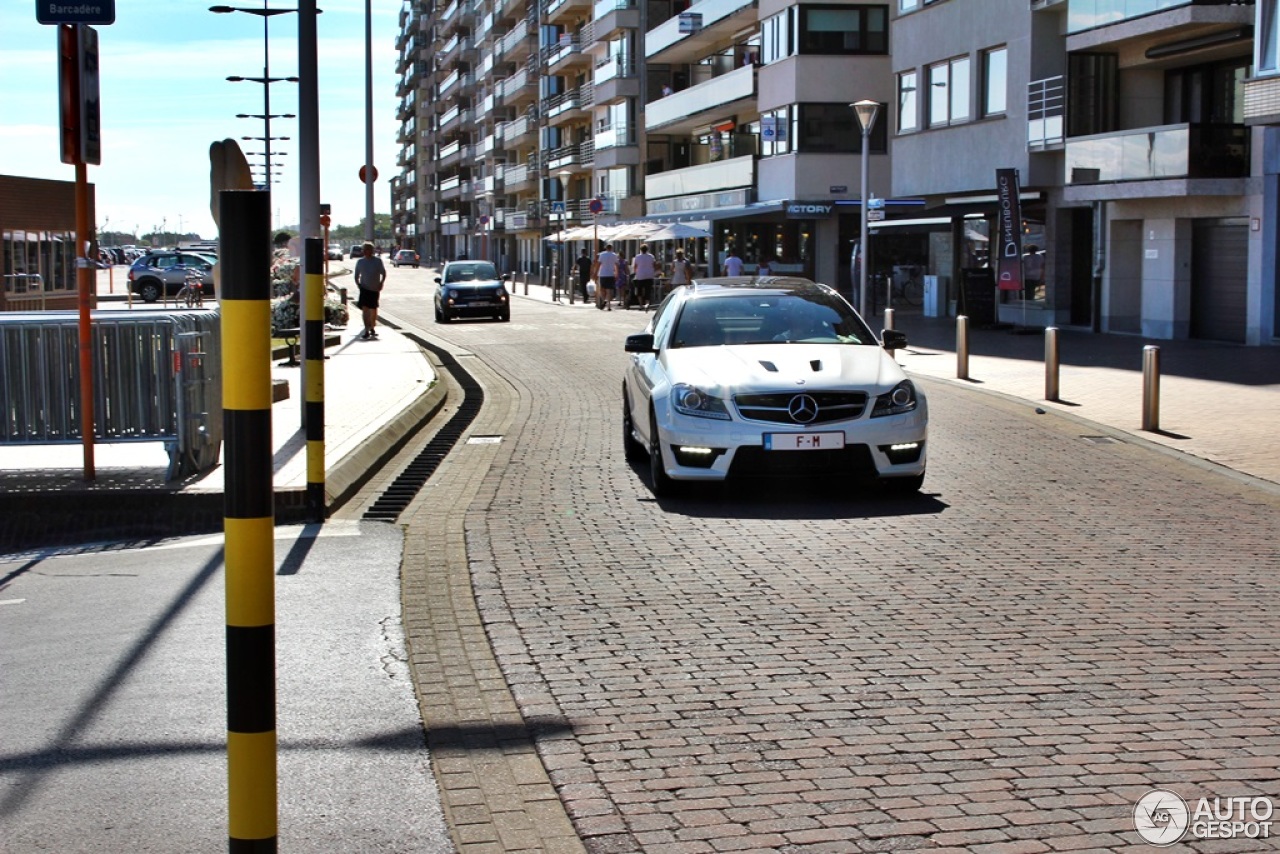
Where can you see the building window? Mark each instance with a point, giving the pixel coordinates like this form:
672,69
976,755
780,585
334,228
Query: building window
995,81
775,37
1267,62
836,30
905,6
949,92
908,102
776,132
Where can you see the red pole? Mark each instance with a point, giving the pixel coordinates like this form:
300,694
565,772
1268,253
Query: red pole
84,279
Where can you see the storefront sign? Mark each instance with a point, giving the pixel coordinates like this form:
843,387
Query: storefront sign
1008,231
810,210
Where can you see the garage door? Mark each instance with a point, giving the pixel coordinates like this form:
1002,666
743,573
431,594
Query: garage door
1218,281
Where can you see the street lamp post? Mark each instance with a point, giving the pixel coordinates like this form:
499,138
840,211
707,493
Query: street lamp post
564,175
266,79
866,112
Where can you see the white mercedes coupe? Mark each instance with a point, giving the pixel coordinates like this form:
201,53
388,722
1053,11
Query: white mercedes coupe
770,377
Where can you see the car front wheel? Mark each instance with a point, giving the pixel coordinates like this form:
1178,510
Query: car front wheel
632,449
663,485
149,291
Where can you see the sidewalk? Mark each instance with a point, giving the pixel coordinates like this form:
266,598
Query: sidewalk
375,393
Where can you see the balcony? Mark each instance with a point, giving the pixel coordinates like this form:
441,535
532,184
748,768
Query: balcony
1169,151
720,20
515,45
707,178
1262,101
682,111
559,10
615,78
1083,15
613,16
561,108
564,55
1046,113
522,176
522,130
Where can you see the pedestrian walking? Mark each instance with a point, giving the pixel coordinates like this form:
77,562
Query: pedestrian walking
605,274
681,270
584,272
732,264
644,269
370,276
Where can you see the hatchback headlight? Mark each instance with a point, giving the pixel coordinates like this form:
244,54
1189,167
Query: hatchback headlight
689,400
901,399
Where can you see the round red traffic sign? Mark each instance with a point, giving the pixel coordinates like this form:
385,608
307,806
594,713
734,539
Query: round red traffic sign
596,206
366,180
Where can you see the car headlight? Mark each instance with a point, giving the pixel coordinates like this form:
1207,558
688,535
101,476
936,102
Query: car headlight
689,400
901,399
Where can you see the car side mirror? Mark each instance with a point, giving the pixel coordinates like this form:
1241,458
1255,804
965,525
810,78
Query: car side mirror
640,343
438,280
506,277
893,339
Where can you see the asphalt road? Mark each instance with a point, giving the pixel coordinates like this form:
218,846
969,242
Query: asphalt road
113,701
1063,622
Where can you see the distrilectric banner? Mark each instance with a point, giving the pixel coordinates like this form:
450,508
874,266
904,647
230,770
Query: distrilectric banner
1008,239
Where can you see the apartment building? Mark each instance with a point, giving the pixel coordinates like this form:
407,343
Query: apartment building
1125,120
1139,130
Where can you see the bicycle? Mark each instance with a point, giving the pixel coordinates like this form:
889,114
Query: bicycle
191,293
906,286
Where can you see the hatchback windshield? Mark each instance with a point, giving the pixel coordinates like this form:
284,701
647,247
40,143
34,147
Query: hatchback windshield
471,272
810,318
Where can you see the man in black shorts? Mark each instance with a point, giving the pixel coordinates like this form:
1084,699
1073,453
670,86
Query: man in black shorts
370,274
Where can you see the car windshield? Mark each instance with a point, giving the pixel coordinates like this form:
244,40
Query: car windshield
811,318
471,272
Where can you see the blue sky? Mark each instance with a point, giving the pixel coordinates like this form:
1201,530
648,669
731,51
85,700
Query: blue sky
165,98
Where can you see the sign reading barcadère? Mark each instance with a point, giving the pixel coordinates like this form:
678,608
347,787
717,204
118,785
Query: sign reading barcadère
96,12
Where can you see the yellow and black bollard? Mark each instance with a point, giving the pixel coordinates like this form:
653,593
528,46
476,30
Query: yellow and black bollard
245,302
313,335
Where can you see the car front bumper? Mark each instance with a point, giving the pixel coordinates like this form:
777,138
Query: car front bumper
698,449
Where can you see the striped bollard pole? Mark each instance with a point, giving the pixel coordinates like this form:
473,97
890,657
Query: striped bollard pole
249,520
313,336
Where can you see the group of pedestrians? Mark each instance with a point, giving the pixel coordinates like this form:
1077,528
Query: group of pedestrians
628,282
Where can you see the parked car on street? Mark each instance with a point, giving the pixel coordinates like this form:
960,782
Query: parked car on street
159,274
405,257
357,250
741,377
471,289
334,252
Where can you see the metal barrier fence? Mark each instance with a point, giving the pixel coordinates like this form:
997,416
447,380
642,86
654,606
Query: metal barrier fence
157,377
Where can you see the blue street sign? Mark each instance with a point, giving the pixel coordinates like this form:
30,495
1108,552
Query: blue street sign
95,12
557,207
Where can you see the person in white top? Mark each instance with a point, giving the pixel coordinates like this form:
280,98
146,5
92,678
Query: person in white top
644,269
681,270
732,264
606,273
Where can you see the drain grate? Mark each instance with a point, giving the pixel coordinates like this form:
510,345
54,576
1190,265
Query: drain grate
396,497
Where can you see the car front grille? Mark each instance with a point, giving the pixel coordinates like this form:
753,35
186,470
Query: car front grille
785,408
851,461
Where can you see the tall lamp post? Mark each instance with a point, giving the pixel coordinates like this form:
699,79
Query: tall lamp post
866,112
564,175
266,13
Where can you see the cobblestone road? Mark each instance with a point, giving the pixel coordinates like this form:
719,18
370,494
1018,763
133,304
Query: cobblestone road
1062,623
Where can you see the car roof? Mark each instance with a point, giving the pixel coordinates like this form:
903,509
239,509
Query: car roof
743,285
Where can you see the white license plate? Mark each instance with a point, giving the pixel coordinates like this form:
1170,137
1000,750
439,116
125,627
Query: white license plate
803,441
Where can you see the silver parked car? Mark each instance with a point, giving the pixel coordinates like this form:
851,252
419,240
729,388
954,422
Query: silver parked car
164,273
